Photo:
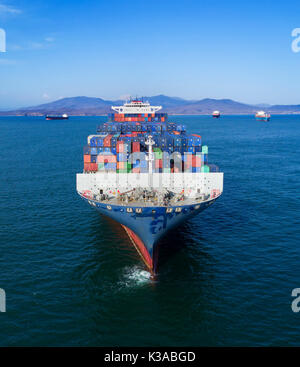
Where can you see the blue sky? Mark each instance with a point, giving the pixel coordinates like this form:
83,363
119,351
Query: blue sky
188,48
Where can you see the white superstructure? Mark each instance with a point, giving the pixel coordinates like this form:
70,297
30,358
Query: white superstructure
136,106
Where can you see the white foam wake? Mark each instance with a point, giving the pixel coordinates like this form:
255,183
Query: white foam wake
136,276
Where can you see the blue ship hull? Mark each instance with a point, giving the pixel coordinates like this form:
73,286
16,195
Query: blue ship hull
147,226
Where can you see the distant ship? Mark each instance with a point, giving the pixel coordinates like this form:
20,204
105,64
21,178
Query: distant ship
148,174
216,114
57,117
262,116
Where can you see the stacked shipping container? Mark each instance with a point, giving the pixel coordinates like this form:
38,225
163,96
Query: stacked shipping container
119,140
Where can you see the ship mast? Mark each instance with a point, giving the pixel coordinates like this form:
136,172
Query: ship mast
150,157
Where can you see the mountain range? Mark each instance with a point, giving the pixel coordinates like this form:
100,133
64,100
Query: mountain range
88,106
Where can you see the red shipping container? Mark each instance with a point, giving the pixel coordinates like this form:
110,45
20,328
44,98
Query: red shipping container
135,146
106,141
158,163
93,166
86,158
196,161
120,146
87,167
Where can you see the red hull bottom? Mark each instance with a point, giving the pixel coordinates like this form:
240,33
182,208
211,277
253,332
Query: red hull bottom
140,247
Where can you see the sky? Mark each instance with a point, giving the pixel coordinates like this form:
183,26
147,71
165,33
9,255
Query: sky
192,49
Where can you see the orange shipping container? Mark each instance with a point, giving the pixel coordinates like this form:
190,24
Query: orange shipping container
121,165
87,158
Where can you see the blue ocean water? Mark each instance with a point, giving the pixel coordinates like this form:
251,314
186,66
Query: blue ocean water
72,277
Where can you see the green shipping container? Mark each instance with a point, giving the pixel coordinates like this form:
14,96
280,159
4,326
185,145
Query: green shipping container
205,149
158,155
122,171
205,169
167,170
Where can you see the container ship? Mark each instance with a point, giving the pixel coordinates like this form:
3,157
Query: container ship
216,114
57,117
262,116
148,174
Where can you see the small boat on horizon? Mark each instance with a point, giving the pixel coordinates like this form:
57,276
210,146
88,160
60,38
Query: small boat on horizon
262,116
216,114
57,117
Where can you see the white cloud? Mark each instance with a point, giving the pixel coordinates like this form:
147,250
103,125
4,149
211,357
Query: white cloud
35,45
49,39
45,96
32,45
6,9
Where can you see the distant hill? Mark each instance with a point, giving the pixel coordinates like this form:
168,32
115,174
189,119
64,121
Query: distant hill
208,105
88,106
71,106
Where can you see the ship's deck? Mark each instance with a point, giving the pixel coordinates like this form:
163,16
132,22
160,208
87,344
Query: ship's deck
150,203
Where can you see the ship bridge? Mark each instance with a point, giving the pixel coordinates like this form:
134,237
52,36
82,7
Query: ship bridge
136,106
